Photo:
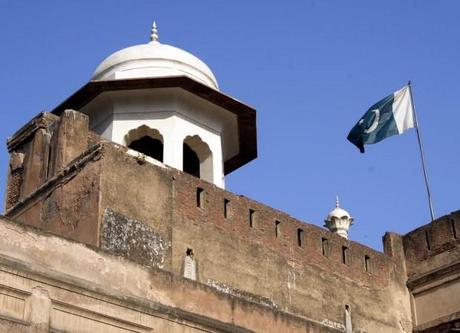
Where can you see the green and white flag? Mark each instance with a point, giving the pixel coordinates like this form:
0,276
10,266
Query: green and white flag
392,115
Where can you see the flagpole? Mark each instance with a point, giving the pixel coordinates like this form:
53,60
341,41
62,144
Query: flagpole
422,156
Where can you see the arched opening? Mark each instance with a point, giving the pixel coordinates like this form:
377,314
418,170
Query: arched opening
147,141
148,146
197,158
191,162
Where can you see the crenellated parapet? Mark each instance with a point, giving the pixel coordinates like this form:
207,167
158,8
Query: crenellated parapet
432,256
117,200
433,244
201,203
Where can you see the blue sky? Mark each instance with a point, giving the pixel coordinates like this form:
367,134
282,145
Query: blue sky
310,68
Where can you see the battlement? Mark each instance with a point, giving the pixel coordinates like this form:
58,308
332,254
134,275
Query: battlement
200,202
432,255
66,180
433,244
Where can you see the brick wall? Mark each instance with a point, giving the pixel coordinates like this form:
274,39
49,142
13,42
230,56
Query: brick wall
263,231
433,245
87,177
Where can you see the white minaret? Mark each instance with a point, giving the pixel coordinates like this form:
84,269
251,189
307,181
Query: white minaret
164,102
339,220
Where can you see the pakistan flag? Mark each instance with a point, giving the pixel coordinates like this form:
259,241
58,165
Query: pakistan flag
392,115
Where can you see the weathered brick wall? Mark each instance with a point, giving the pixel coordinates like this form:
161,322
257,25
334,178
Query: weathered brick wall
298,278
48,284
432,255
54,177
15,179
100,195
263,231
433,245
28,158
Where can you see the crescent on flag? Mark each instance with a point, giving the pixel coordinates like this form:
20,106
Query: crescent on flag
375,122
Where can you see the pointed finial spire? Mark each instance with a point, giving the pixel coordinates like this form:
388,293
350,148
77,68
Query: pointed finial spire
154,33
337,203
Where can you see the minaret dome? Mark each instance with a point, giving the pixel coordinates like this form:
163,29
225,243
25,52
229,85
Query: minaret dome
164,103
154,59
339,220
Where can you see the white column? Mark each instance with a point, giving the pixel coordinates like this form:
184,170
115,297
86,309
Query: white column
172,146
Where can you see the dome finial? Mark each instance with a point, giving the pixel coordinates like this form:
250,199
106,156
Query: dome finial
339,220
154,33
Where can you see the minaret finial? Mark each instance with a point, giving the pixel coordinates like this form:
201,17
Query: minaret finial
154,33
338,220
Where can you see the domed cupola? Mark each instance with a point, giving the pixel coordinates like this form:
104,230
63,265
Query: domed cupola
339,220
164,103
154,59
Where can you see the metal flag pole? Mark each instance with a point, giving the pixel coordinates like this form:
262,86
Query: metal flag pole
422,156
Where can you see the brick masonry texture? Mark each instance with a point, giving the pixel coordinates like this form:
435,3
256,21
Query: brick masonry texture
76,185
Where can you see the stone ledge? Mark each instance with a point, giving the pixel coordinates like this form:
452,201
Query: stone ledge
433,275
440,325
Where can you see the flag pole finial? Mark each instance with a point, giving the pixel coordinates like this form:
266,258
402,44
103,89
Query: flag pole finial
337,202
154,34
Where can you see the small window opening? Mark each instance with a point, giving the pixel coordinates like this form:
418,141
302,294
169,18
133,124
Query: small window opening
367,263
148,146
324,247
251,218
191,162
199,197
427,239
345,255
454,230
300,237
226,207
48,154
277,228
48,163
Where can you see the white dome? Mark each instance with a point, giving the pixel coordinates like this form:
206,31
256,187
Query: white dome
339,220
154,60
339,213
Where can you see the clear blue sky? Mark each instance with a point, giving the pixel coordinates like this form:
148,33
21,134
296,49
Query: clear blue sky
311,69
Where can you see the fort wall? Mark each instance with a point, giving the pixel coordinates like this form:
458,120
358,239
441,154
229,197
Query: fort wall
280,268
432,254
55,285
152,215
433,245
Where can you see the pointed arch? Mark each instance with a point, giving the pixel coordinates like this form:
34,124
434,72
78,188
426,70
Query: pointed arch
197,158
146,140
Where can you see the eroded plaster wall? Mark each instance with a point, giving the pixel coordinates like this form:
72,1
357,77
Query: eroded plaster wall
49,284
152,215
